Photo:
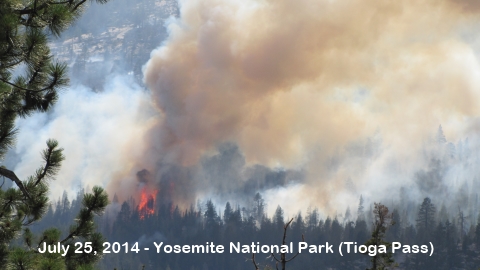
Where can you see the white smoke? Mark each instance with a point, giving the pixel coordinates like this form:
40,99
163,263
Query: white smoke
101,133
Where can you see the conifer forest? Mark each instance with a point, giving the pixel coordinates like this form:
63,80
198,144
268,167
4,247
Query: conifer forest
228,134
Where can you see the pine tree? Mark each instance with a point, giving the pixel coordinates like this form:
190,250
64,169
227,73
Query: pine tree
452,255
348,215
259,207
227,213
360,214
426,217
477,235
382,220
278,217
212,220
440,136
462,220
361,231
298,226
312,218
25,27
394,232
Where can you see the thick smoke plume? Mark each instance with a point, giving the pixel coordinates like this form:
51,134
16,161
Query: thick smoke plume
282,78
346,91
316,101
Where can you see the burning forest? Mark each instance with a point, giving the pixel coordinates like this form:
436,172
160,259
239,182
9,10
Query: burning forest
146,205
341,99
228,117
317,110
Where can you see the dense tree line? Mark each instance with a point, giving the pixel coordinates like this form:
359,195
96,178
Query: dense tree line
455,248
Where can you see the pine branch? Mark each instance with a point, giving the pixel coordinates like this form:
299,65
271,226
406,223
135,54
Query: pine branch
93,203
78,5
25,89
35,9
7,133
11,175
53,158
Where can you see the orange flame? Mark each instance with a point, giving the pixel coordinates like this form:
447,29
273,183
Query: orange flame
146,207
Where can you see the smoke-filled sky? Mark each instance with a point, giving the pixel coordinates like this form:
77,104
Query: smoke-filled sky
282,78
347,92
294,83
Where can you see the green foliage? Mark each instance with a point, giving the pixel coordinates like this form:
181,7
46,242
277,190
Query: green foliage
24,30
30,80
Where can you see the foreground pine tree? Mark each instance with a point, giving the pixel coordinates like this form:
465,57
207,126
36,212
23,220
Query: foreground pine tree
25,26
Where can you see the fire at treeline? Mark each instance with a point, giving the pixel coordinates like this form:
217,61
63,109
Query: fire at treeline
426,233
205,236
